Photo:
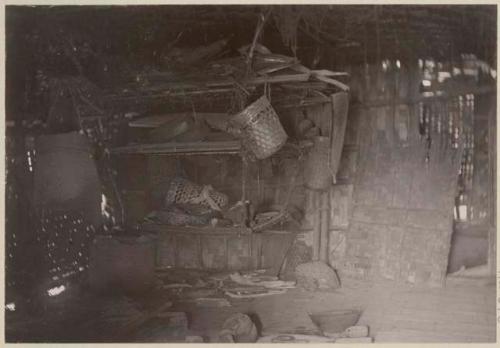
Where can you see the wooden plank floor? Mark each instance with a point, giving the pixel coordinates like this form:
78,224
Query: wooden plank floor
459,314
465,314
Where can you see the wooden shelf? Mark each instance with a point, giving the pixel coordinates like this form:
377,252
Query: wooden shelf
159,228
181,89
196,148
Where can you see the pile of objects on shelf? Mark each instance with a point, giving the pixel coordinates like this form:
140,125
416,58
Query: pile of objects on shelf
200,98
199,71
184,203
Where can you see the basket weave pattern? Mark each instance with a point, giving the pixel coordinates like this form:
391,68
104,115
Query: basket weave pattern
261,129
184,191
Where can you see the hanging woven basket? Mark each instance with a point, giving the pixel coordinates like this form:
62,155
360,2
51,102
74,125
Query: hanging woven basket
261,130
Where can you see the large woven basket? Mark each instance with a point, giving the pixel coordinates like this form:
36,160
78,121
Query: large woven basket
261,129
184,191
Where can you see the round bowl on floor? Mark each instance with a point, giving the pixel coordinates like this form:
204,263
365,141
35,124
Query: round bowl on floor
335,321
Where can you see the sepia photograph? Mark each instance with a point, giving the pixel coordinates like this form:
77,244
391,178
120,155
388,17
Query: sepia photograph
250,173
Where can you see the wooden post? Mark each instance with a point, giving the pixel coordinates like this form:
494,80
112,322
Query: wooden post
244,175
492,163
316,224
324,213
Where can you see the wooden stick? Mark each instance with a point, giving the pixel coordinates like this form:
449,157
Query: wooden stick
492,137
324,238
260,26
339,127
316,225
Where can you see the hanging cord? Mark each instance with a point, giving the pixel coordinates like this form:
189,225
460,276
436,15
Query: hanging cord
196,121
72,92
267,91
179,169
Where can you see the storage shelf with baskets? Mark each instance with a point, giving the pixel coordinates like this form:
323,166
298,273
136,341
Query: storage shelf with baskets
258,135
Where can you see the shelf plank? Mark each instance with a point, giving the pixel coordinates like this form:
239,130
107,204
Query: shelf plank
199,148
154,227
194,148
160,228
202,87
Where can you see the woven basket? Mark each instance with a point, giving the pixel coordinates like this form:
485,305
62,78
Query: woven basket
261,129
317,174
184,191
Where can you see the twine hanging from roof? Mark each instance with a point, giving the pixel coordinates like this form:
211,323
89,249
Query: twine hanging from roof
287,20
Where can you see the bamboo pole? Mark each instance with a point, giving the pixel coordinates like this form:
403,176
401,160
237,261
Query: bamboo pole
324,213
492,163
316,224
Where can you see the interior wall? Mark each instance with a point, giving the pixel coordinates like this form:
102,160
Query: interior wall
471,237
400,217
480,197
401,221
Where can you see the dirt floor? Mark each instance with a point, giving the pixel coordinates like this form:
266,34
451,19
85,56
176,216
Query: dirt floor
460,312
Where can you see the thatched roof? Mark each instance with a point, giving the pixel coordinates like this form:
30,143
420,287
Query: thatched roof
357,31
